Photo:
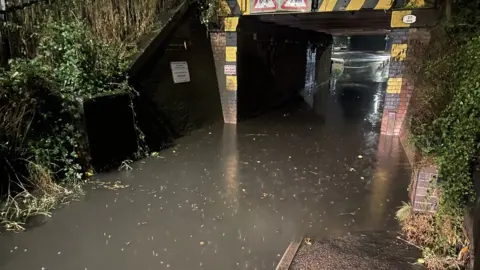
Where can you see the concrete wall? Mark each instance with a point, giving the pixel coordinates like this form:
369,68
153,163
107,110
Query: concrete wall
271,69
167,110
322,77
270,63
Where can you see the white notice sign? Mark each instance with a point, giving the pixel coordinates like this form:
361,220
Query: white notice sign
409,19
230,70
180,72
295,4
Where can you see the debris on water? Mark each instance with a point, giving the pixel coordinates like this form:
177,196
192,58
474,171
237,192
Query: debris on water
360,156
125,165
343,214
202,243
421,261
155,154
361,177
352,169
308,241
110,185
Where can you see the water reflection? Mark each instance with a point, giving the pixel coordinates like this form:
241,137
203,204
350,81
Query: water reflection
361,66
388,159
230,165
308,92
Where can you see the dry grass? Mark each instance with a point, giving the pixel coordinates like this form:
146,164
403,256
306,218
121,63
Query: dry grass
419,228
436,262
435,237
113,21
45,196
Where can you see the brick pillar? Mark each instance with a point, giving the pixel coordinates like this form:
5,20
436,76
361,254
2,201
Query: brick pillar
403,41
224,46
400,87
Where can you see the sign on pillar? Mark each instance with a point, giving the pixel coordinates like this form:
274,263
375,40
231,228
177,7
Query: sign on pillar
230,66
264,6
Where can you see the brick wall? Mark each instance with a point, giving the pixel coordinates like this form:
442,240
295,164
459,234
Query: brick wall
424,195
400,86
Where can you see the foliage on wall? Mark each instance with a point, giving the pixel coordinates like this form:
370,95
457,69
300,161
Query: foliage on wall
445,121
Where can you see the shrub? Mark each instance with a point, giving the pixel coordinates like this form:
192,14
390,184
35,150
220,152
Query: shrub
41,130
445,123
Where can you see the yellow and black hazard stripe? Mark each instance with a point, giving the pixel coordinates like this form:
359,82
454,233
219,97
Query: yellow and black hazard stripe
353,5
242,7
233,6
236,7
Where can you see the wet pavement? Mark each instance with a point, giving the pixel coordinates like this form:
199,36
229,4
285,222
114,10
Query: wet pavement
374,250
232,197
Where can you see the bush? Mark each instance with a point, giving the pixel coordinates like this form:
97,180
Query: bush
436,234
445,122
70,65
41,130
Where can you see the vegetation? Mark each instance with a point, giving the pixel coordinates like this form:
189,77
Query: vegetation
64,52
445,126
121,22
41,132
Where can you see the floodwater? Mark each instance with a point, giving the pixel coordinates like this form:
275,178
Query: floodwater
232,197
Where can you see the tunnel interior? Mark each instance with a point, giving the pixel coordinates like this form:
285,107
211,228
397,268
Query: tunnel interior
339,76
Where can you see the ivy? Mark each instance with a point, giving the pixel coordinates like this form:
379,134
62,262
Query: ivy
71,65
452,138
445,122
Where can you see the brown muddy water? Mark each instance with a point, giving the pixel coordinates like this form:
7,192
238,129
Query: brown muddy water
232,197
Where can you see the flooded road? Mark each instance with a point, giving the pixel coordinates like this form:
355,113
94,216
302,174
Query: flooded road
232,197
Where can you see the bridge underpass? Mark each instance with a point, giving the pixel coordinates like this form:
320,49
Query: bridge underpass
313,27
234,196
272,53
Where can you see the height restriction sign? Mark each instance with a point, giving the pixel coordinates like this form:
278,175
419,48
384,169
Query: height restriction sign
264,5
295,5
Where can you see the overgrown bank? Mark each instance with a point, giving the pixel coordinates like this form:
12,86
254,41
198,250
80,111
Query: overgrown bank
42,136
63,53
445,127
